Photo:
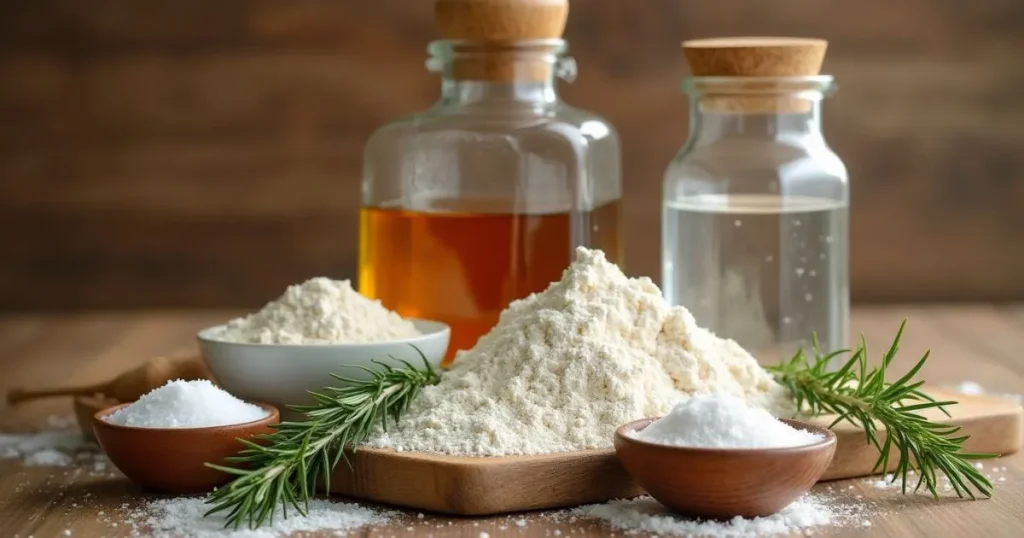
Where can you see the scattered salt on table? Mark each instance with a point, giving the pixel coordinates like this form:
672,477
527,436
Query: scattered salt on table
183,518
51,448
723,421
647,515
186,404
48,457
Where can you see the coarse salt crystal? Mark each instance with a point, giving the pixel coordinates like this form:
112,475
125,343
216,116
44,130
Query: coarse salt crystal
186,404
723,421
970,387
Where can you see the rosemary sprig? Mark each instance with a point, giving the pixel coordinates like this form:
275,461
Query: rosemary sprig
286,467
859,394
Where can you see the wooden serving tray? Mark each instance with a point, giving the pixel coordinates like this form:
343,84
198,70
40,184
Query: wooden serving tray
491,485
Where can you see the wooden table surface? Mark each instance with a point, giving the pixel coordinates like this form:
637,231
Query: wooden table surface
981,343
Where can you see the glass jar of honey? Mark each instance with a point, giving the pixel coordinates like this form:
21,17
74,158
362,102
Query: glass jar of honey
482,198
755,217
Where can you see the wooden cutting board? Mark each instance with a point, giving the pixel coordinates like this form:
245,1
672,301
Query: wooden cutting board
492,485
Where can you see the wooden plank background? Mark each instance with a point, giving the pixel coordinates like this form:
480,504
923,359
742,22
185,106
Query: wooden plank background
197,153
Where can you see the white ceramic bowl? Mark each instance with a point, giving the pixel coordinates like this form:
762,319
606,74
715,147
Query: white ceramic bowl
282,374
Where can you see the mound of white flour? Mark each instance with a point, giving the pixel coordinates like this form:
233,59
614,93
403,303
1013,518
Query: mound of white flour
563,368
320,311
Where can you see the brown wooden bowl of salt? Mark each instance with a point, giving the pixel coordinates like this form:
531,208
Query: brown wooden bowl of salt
721,482
168,453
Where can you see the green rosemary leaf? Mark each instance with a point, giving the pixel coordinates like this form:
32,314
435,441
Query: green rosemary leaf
885,450
286,467
925,405
903,467
840,376
229,470
888,412
300,464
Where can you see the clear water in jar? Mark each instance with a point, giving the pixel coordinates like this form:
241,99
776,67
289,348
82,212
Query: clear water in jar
765,270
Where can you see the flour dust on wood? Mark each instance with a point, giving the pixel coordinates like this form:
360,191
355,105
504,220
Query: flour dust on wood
563,368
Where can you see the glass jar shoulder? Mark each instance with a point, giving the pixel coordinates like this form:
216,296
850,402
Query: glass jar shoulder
757,165
461,149
554,122
595,128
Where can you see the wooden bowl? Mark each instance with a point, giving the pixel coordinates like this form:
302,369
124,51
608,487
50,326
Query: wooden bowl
723,483
171,460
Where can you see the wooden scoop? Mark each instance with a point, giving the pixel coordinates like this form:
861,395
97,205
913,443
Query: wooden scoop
128,386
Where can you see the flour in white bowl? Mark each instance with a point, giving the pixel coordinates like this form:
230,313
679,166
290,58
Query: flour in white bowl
563,368
320,311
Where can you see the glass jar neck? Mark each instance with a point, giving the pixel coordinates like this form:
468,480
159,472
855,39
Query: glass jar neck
463,91
504,73
763,108
709,125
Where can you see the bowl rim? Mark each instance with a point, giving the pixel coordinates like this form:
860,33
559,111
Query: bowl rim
828,440
273,417
205,336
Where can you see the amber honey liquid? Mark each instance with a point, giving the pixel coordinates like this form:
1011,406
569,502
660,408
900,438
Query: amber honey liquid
462,263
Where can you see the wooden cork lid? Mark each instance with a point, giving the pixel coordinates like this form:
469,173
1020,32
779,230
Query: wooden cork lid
494,27
748,57
755,56
501,20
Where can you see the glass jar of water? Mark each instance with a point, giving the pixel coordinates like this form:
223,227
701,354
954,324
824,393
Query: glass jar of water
755,224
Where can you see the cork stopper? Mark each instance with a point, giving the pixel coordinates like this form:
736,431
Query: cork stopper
743,57
493,27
